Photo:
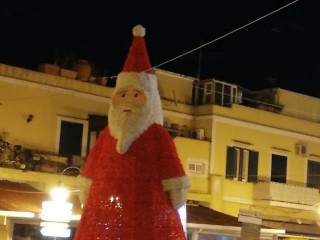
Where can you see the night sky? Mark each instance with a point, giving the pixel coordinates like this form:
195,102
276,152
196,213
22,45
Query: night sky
281,50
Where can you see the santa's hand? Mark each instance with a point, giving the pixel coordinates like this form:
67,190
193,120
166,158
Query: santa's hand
177,188
178,198
84,187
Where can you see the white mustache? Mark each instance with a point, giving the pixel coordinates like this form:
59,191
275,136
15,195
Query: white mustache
128,106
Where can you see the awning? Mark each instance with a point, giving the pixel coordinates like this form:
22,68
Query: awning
203,215
21,197
294,228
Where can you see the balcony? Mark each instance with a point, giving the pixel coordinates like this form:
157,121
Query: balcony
285,195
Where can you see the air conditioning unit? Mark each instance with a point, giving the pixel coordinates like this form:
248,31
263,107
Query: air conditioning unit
302,149
197,134
196,168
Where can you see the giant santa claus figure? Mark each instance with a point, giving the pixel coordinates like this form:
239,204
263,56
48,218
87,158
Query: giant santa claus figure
133,181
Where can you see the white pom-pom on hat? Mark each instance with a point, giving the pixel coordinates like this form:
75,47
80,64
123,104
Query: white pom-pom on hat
139,31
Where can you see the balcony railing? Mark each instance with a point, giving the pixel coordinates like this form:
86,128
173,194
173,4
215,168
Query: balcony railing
274,191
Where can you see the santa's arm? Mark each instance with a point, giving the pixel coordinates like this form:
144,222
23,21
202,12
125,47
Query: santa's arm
174,180
177,188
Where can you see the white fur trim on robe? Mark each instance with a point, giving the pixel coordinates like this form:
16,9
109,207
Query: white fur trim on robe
176,183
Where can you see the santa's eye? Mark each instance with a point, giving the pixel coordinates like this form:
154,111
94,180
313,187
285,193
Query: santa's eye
123,95
136,95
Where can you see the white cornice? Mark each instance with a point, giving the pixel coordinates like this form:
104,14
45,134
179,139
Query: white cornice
53,88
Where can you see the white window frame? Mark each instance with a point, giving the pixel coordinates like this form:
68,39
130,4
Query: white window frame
209,88
245,164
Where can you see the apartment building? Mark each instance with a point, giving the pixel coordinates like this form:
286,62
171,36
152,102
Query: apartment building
253,157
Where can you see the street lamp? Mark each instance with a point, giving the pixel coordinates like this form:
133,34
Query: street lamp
56,214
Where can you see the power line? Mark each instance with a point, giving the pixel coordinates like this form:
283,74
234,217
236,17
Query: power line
227,34
221,37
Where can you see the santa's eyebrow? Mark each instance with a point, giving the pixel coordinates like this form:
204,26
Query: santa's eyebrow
138,90
122,90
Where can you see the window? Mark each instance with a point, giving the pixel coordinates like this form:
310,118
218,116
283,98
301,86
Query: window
96,124
279,168
208,92
242,164
313,175
220,93
72,136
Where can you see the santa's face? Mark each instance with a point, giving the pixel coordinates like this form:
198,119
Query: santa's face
129,116
130,95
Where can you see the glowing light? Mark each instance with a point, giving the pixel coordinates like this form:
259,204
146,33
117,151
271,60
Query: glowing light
17,214
75,217
55,232
59,194
112,199
56,211
54,225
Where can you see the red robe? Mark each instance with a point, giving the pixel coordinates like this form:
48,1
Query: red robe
126,199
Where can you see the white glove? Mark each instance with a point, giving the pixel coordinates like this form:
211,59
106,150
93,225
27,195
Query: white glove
177,189
84,185
178,198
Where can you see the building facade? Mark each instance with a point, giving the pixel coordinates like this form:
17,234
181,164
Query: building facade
243,150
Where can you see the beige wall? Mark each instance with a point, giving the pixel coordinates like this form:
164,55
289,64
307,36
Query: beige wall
4,225
45,103
47,97
298,105
175,87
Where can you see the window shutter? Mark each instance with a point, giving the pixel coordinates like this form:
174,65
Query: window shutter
279,168
313,178
253,166
231,168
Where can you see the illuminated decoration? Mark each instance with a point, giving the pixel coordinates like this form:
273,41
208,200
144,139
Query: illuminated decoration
133,181
56,211
56,214
55,231
54,224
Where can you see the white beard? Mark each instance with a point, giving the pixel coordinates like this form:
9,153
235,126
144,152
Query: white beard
128,126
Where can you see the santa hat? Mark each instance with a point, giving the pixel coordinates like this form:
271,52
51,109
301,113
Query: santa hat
137,69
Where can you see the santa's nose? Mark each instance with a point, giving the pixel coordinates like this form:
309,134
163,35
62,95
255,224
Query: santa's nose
129,98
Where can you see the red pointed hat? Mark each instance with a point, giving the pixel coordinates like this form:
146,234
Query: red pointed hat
138,59
137,69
